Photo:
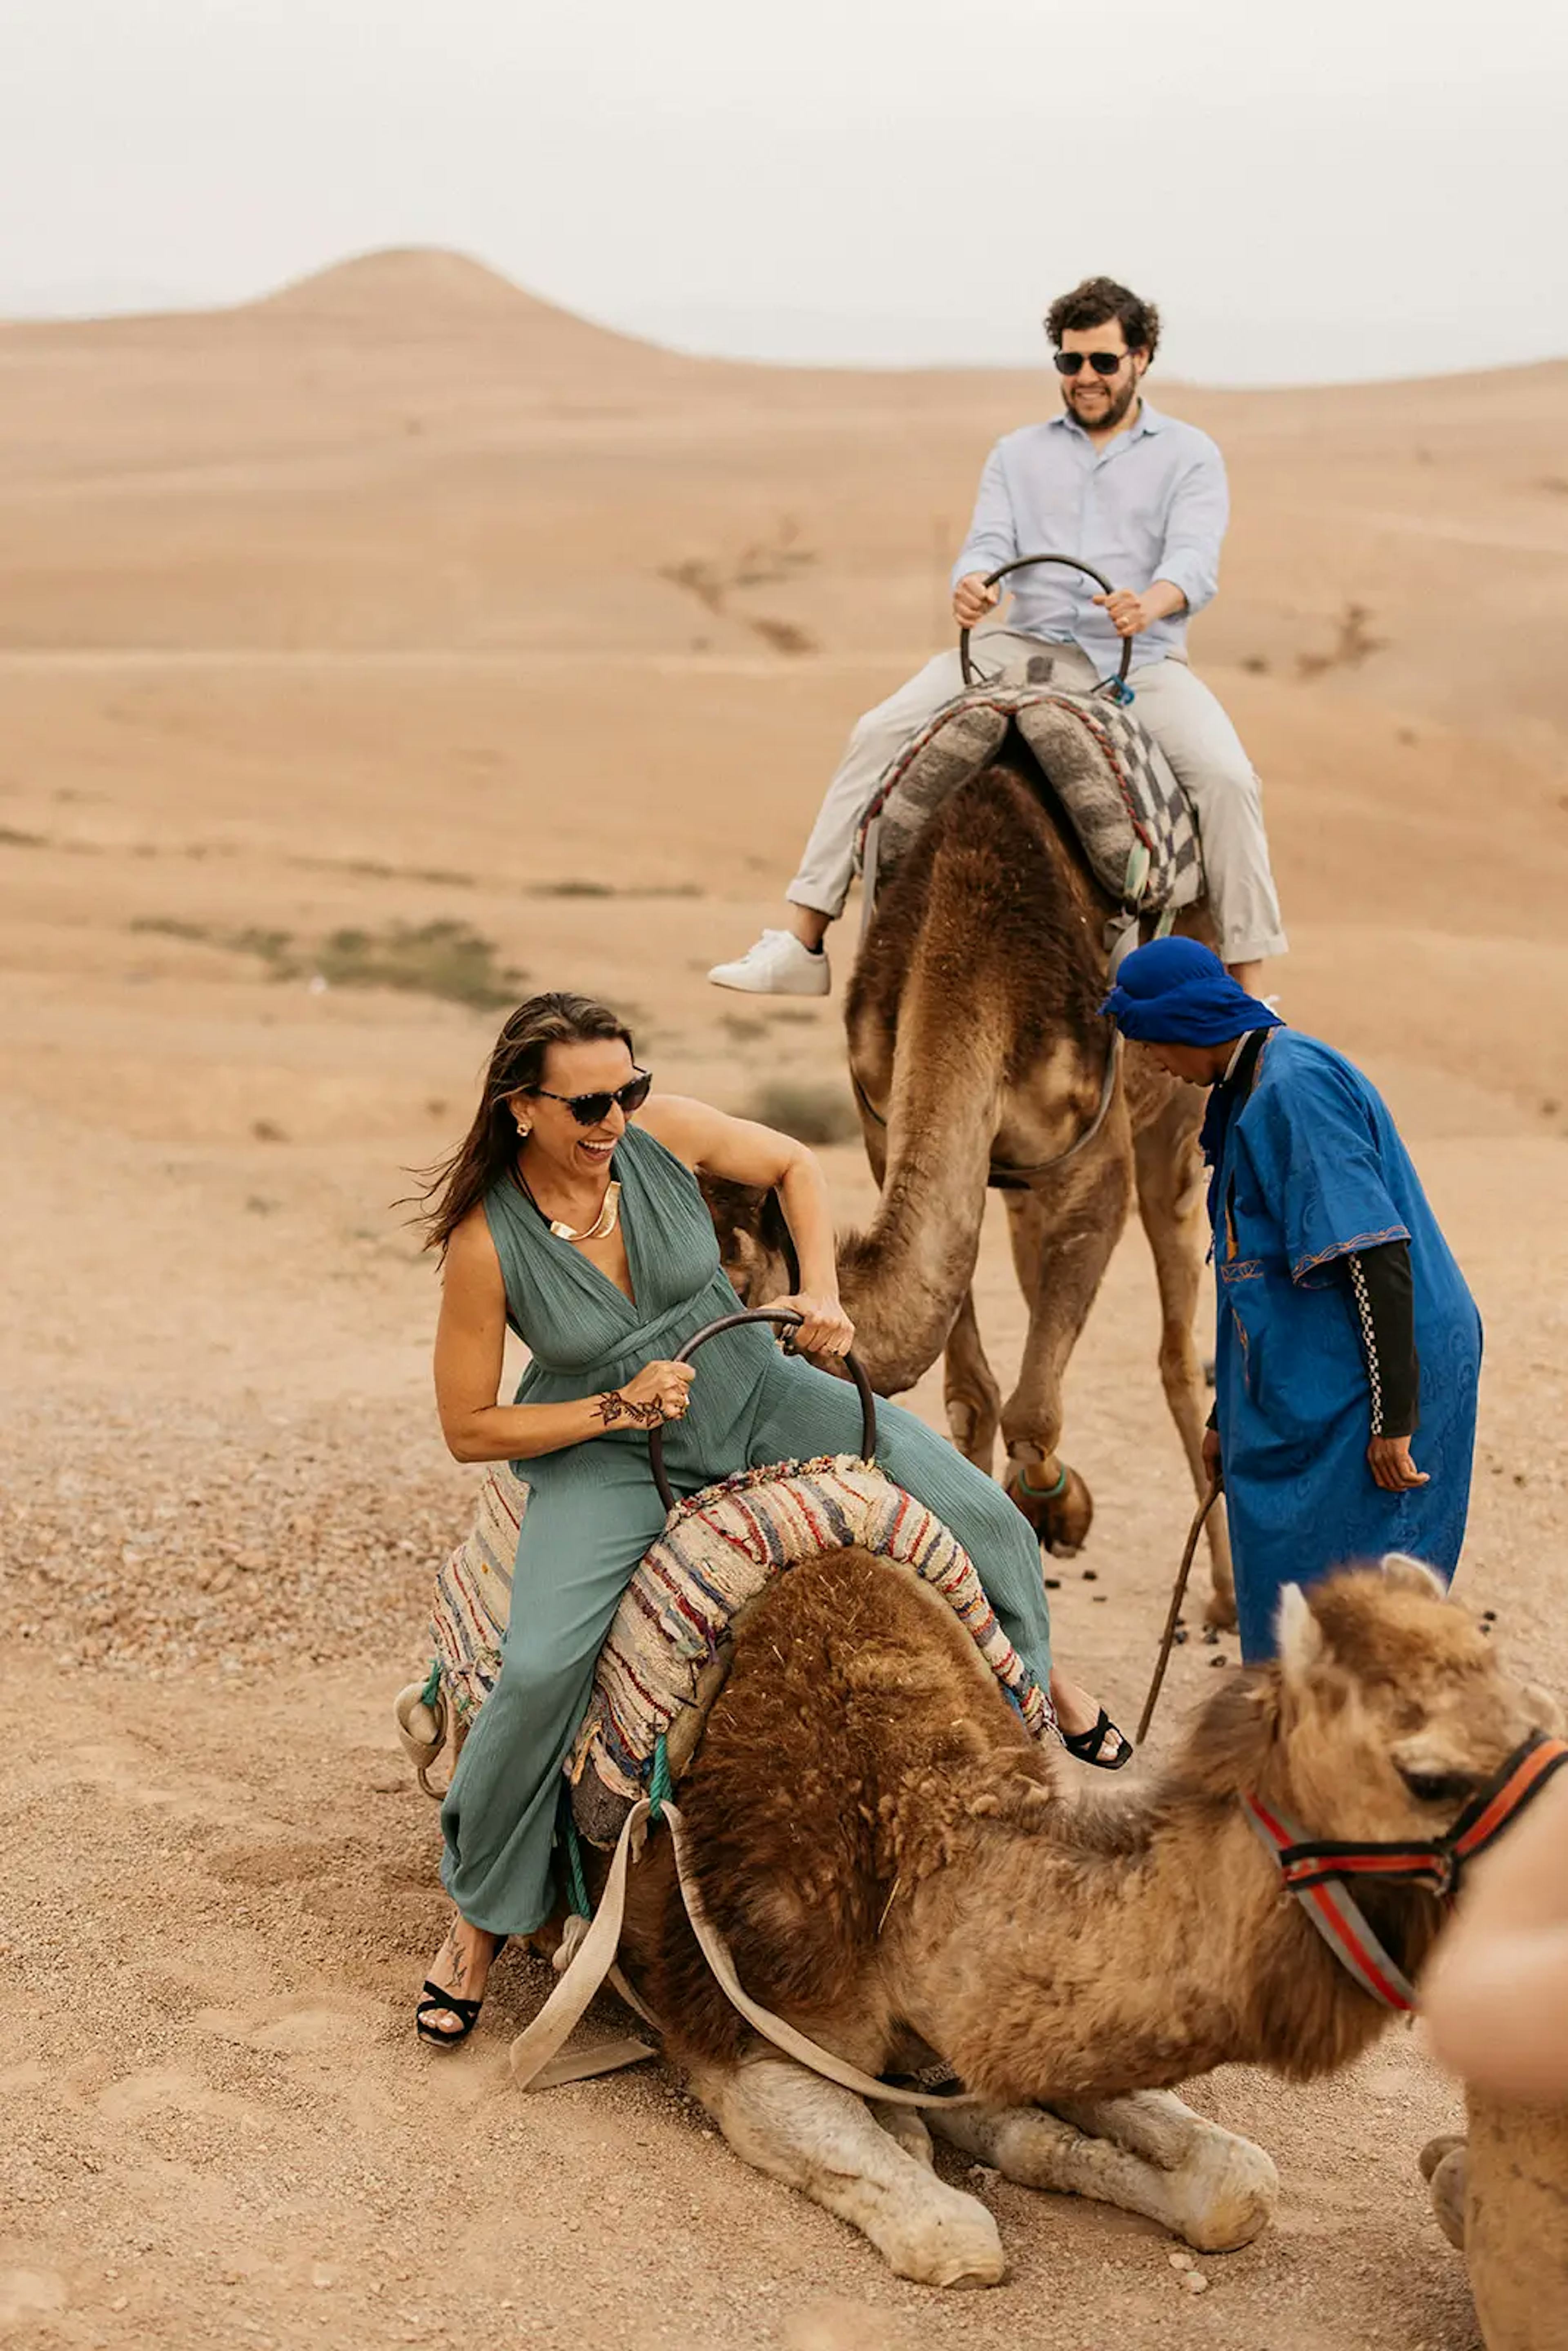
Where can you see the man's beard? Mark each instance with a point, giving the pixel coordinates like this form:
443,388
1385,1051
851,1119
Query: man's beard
1115,408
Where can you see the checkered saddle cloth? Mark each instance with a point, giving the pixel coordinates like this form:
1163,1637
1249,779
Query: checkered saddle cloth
1132,817
669,1644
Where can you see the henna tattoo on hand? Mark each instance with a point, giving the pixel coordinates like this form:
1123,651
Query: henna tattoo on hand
614,1406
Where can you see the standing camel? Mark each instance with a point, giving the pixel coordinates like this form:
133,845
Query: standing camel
980,1060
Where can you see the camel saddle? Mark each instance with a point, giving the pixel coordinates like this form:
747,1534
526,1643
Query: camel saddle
668,1648
1132,818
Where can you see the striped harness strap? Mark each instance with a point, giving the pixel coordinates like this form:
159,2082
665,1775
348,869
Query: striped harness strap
1318,1871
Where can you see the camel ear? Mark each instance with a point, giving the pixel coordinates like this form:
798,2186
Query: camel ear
1300,1636
1408,1574
1543,1709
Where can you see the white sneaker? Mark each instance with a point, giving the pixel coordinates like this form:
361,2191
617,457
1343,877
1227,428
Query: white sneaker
777,966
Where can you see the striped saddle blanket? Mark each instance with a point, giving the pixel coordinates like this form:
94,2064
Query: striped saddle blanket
668,1645
1122,798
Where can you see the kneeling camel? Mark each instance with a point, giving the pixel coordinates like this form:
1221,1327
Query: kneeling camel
888,1856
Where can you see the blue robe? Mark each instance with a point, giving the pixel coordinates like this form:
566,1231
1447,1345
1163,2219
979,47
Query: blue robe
1305,1168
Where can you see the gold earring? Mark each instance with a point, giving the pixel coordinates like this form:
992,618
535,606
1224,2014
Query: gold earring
523,1132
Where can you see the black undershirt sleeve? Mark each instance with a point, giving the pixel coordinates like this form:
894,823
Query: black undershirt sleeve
1383,1299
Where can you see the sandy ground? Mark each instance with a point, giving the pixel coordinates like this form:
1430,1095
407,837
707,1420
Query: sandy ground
347,612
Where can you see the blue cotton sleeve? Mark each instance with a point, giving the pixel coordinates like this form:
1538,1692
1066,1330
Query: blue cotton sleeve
992,539
1195,528
1311,1140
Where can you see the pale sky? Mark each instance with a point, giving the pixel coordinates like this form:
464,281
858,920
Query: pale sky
1312,189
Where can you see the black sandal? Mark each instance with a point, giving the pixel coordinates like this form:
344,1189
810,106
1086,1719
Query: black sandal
1087,1745
466,2011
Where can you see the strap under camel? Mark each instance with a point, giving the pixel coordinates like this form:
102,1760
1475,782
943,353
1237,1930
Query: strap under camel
534,2059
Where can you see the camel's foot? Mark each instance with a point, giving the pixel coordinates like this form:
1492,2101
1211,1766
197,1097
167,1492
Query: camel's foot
972,1423
1443,2168
1220,1612
904,2127
828,2144
1147,2153
1219,1616
1061,1520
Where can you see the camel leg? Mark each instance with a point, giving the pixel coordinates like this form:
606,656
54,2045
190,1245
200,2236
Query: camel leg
1169,1176
904,2127
1444,2168
1147,2153
1062,1236
974,1400
827,2143
1227,2186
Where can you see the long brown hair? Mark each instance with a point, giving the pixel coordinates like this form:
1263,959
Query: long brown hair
455,1185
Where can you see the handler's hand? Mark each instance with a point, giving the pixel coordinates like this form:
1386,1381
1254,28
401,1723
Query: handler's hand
824,1328
972,599
1389,1459
664,1385
1211,1456
1127,611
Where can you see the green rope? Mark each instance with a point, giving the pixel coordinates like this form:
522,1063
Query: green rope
659,1787
1041,1493
432,1691
579,1901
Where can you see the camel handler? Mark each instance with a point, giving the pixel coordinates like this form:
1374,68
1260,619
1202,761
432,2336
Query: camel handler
1349,1348
1143,498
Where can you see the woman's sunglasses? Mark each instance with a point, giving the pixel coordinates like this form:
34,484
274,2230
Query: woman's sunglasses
588,1109
1103,362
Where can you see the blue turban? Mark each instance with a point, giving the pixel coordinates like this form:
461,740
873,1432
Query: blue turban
1177,992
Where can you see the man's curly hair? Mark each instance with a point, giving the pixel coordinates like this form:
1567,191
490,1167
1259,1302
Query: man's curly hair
1096,303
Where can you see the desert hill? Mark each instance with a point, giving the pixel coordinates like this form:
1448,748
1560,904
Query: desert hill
653,574
407,449
423,283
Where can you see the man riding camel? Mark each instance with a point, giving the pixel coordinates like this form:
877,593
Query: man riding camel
1141,497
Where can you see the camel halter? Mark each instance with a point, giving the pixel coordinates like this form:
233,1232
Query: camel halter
1317,1870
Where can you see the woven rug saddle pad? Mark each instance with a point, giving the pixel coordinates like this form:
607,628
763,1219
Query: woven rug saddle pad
669,1641
1120,796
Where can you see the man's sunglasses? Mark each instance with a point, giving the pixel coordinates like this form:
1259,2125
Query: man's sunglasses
1103,362
588,1109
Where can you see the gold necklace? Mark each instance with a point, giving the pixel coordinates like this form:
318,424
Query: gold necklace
600,1230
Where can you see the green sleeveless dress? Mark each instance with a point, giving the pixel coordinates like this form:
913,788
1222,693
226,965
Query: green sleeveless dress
593,1511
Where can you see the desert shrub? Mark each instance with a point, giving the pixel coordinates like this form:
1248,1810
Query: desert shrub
446,959
443,958
812,1112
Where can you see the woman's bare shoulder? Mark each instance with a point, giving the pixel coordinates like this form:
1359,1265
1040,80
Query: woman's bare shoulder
472,1262
681,1123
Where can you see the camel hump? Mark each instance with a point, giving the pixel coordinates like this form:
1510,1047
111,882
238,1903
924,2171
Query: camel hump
923,1745
719,1556
1114,784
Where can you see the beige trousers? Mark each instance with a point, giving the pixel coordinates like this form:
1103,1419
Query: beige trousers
1179,712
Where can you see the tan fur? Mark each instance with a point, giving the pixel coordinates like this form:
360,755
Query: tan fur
897,1872
1514,2177
974,1030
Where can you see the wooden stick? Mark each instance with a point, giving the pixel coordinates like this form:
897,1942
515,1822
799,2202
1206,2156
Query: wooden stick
1178,1596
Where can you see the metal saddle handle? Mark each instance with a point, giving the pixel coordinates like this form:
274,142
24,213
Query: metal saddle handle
787,1319
1021,563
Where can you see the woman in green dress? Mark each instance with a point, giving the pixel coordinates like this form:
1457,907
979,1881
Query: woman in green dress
587,1235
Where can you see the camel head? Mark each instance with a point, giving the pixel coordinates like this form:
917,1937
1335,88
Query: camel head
1393,1709
754,1243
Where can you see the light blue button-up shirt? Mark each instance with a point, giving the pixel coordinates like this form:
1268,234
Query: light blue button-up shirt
1152,505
